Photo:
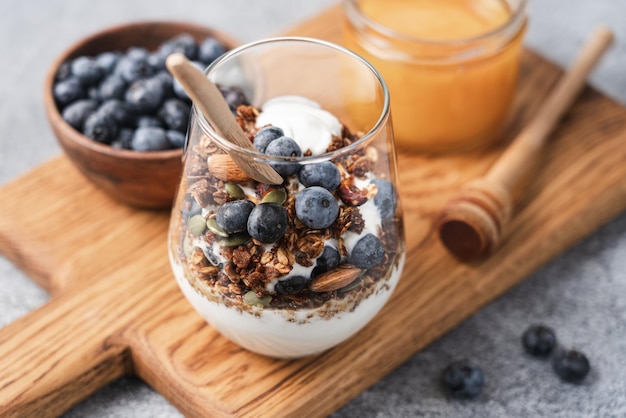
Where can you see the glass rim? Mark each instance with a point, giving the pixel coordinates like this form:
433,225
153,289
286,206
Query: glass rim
228,146
517,18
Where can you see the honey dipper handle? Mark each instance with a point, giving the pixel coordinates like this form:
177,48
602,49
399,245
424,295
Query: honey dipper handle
512,166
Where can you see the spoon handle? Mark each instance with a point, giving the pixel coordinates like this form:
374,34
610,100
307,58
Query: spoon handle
206,96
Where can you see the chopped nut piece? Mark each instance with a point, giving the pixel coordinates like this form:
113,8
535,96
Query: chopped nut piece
335,144
196,167
202,192
246,118
350,194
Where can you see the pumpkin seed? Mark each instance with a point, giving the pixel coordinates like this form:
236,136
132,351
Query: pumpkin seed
275,196
235,239
251,298
196,224
211,223
234,191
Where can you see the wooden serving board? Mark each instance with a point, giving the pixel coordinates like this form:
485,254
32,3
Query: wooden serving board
116,310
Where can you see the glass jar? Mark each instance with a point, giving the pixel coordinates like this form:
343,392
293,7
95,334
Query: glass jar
291,269
451,65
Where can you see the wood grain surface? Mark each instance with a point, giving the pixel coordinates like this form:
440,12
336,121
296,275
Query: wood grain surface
116,309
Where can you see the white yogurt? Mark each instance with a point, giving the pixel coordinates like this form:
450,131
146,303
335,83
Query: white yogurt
301,119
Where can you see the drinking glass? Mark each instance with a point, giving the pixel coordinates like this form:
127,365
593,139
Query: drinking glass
292,269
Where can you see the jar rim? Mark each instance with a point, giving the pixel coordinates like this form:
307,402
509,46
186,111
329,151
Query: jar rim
229,146
517,19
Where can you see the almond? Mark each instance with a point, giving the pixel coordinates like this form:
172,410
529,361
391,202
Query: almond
335,279
224,168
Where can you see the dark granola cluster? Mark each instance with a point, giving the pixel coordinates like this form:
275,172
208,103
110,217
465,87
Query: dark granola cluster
249,266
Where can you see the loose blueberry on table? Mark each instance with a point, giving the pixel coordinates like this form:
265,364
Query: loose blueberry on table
571,365
463,379
113,96
539,340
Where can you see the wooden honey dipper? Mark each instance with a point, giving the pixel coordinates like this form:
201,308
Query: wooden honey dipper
471,224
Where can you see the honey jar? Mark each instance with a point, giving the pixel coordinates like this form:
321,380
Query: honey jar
451,66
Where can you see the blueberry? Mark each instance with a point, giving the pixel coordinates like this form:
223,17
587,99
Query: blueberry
145,96
76,113
150,139
571,365
124,139
119,111
133,69
101,127
209,50
112,87
234,96
87,70
385,199
233,216
156,61
367,252
267,222
67,91
284,147
137,53
265,136
64,71
463,379
316,207
107,61
539,340
183,43
179,90
329,260
324,174
147,121
176,138
175,114
291,285
93,93
167,81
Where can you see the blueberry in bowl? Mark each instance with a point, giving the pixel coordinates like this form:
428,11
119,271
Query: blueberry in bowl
116,111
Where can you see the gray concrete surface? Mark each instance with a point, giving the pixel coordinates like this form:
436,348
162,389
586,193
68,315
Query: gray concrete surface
582,293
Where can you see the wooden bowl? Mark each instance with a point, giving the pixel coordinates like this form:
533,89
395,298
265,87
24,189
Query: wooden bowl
138,179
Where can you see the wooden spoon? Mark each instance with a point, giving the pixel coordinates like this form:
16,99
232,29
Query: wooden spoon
207,97
471,224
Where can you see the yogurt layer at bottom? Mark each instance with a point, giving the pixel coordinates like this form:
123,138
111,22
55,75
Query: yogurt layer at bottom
285,333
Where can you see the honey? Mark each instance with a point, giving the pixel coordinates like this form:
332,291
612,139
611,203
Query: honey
451,66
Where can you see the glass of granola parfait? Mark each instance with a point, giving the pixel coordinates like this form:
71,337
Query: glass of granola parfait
292,269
